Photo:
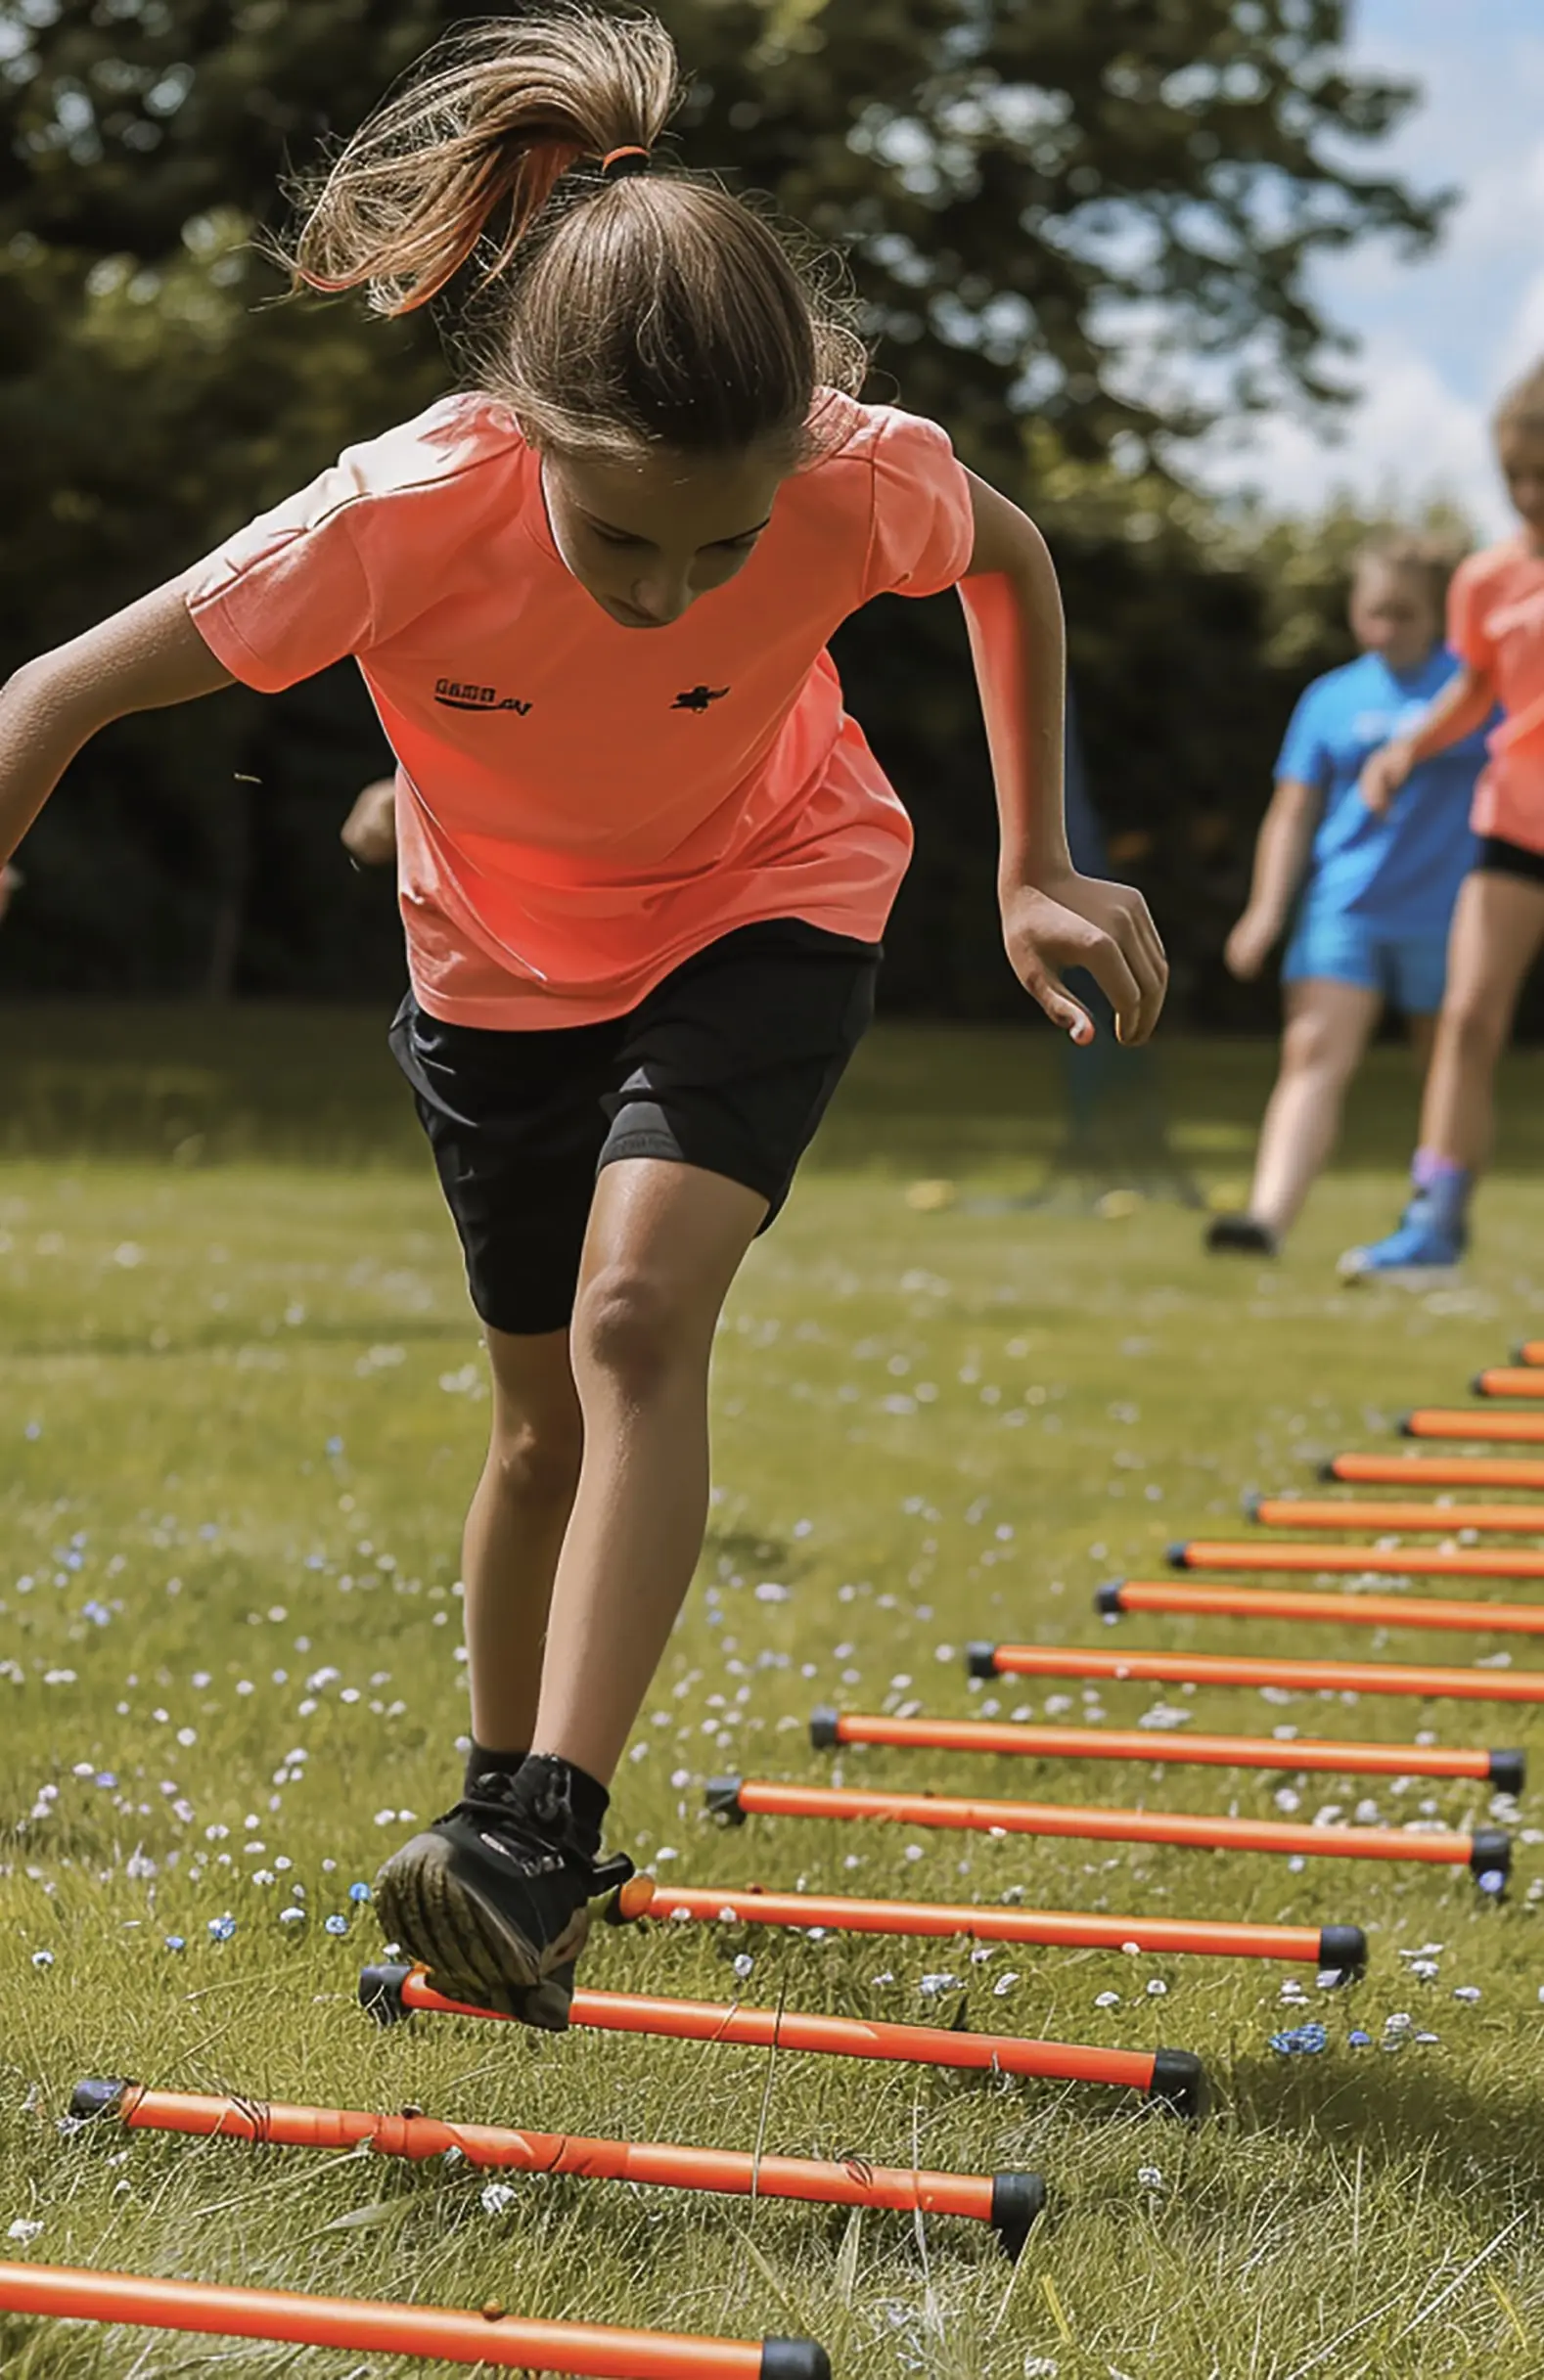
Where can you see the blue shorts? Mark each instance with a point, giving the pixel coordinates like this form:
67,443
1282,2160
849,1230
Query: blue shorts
1332,946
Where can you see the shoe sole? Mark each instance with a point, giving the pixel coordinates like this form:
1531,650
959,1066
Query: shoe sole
1401,1276
471,1951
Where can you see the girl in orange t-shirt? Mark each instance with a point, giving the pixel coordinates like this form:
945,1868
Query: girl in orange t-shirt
1496,628
644,854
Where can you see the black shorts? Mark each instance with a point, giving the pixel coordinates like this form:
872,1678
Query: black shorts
728,1066
1498,857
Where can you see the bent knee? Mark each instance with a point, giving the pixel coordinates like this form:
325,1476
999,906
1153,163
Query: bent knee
536,1463
1310,1044
636,1328
1477,1018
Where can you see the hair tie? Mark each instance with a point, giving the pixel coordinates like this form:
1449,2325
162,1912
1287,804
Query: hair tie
617,161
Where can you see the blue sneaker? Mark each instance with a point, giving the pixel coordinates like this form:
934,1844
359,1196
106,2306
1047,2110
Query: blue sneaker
1425,1241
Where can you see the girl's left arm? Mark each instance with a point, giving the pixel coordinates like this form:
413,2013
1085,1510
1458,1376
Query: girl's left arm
1053,918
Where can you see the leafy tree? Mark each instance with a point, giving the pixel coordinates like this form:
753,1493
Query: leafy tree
1081,230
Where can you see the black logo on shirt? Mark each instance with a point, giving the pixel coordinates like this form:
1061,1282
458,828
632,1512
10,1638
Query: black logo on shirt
698,697
457,697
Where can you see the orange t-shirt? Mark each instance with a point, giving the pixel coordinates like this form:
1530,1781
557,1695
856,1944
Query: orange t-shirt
1495,615
581,806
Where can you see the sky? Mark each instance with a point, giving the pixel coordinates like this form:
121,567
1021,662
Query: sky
1440,336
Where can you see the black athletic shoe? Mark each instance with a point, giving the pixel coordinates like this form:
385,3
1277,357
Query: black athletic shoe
495,1903
1240,1235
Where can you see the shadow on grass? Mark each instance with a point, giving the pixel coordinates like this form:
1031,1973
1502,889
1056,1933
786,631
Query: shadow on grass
1394,2106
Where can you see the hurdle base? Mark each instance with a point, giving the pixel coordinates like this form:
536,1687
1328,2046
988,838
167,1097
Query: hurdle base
1017,2199
980,1660
1342,1950
1107,1600
824,1731
722,1798
1179,2084
1508,1771
793,2360
381,1993
1490,1853
95,2097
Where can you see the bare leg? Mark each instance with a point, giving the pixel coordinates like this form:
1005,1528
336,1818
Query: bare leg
1328,1028
509,1552
1498,928
664,1243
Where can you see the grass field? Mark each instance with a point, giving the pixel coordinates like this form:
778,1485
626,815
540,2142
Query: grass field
240,1408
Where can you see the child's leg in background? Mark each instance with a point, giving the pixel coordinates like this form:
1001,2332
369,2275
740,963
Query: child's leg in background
1498,928
665,1241
514,1529
1328,1025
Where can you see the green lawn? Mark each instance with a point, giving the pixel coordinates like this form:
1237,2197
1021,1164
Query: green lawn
240,1408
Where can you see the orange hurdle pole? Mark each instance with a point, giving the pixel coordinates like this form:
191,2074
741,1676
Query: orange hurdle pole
1172,2078
1531,1351
1389,1562
1504,1770
1226,1669
1008,2202
1118,1595
1358,1513
1487,1852
1333,1948
1482,1429
368,2326
1509,1380
1434,1472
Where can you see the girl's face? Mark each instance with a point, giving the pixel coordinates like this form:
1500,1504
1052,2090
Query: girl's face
646,540
1392,613
1519,450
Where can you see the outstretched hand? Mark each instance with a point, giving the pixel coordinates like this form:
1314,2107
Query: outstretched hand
369,832
1080,920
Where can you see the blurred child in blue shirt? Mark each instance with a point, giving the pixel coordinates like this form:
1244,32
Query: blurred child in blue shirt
1373,894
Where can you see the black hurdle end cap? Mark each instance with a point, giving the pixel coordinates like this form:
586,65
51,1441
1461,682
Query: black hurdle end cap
1342,1950
1017,2199
381,1993
823,1728
1177,1555
1508,1769
980,1660
96,2098
1328,1472
1249,1505
1490,1852
722,1795
1179,2083
1107,1600
1402,1425
793,2360
1476,1386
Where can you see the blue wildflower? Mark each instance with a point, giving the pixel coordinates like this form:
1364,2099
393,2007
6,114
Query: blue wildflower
335,1925
222,1928
359,1892
175,1942
104,1778
1301,2040
1359,2039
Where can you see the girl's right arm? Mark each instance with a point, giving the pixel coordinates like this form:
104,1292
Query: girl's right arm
1465,703
142,658
1281,856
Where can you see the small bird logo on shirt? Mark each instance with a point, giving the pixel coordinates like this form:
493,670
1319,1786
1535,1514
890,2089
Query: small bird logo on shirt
698,697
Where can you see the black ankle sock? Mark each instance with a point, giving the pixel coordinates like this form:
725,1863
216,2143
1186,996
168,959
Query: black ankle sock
564,1800
482,1763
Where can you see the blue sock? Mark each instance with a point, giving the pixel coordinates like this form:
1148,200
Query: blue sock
1447,1188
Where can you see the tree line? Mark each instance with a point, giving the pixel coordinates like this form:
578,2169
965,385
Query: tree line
1081,232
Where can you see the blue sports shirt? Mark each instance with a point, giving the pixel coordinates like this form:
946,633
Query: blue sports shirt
1401,872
